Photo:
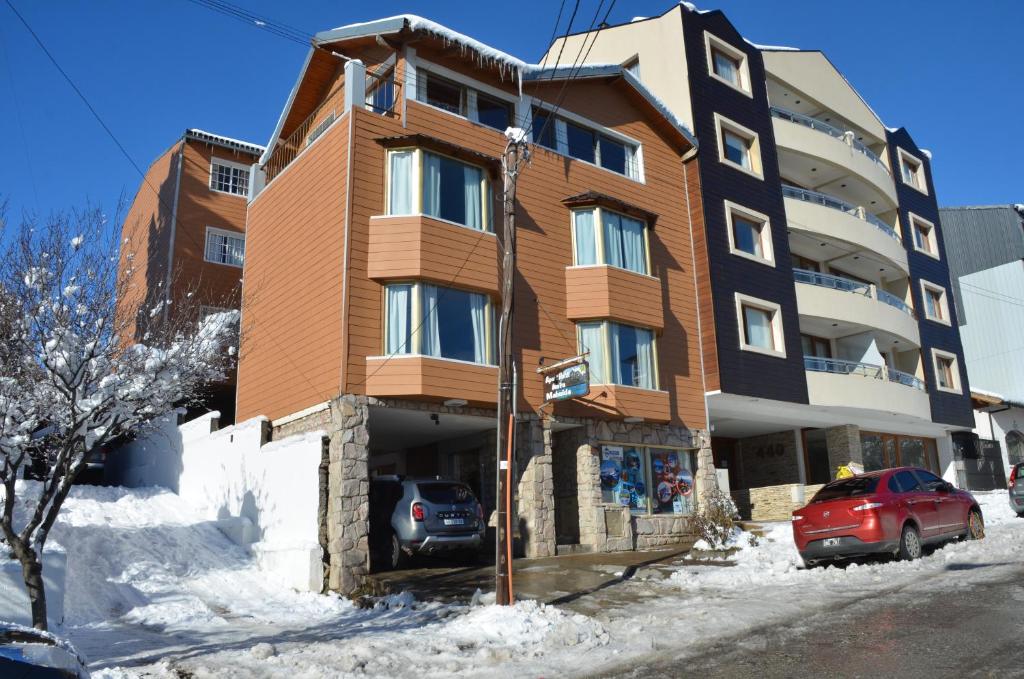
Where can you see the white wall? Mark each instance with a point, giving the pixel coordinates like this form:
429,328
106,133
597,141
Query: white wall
262,496
992,337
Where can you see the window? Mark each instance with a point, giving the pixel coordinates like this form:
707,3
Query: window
801,262
912,171
947,371
904,482
229,177
883,451
448,95
847,488
380,90
750,234
727,63
224,247
619,354
586,144
760,324
738,146
817,347
493,112
648,480
923,233
935,306
441,322
421,182
621,241
929,482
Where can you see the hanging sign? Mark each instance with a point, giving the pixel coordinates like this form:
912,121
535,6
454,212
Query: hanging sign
566,380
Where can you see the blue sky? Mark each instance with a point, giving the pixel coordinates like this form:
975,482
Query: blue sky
949,71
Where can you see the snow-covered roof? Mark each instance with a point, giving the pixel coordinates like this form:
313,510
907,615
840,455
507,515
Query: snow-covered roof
772,48
238,144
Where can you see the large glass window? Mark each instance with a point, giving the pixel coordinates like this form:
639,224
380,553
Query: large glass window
619,354
436,321
442,93
621,241
462,100
883,451
493,112
579,141
648,480
448,189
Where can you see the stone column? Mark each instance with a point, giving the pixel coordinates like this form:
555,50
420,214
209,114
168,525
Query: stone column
349,494
705,478
588,496
843,446
536,489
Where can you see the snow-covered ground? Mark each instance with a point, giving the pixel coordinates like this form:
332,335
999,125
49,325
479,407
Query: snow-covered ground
153,590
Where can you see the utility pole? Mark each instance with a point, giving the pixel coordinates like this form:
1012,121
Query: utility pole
516,153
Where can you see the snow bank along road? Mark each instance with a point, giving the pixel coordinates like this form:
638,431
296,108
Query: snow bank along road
154,591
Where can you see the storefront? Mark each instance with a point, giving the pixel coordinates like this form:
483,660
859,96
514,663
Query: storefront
648,480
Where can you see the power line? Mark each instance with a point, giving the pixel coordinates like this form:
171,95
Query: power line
263,23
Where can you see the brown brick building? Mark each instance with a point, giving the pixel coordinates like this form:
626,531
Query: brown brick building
372,283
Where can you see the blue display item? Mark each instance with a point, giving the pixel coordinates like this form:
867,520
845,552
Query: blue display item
610,474
684,482
659,466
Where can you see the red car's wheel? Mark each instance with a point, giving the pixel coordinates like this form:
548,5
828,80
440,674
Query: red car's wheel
910,544
975,525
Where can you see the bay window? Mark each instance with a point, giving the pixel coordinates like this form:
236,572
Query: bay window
619,354
429,320
422,182
620,241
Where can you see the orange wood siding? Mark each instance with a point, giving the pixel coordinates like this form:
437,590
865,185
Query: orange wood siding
620,401
199,207
595,292
145,243
429,377
703,275
291,312
430,249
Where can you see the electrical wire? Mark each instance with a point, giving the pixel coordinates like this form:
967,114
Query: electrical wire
277,28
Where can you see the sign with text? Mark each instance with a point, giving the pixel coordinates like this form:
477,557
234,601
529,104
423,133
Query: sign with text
570,381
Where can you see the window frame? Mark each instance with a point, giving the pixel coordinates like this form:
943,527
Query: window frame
778,334
815,340
606,343
599,244
732,210
486,215
213,230
560,120
943,318
650,488
930,238
937,354
416,322
713,43
216,160
723,125
920,182
470,87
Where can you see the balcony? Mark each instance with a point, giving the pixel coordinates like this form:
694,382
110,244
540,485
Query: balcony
425,248
859,230
415,376
608,292
832,306
649,404
864,386
803,141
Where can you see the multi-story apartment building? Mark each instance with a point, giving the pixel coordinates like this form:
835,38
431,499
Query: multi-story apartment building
986,264
372,277
185,234
829,334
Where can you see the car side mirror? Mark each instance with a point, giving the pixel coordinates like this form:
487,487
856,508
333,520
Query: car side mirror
947,487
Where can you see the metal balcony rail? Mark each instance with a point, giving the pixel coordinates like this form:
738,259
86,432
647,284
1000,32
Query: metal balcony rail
829,281
382,92
844,136
305,134
894,301
906,379
826,200
838,366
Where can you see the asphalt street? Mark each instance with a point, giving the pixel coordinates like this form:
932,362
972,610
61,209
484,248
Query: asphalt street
933,629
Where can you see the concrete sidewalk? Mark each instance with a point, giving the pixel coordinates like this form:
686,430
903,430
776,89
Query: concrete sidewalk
581,582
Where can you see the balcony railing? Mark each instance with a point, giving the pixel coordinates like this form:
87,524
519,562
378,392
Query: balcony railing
825,280
838,366
836,204
846,137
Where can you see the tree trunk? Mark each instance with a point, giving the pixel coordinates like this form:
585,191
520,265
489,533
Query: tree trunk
32,572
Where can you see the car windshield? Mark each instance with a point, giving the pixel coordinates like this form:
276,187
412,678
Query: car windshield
442,493
853,487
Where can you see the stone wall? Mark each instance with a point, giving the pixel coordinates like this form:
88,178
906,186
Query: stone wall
535,492
772,503
843,446
769,460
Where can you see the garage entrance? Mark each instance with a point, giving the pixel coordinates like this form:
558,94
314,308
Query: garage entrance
983,465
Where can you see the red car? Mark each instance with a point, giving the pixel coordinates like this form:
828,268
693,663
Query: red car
889,512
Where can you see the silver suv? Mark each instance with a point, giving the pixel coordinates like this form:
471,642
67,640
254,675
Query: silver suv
1016,487
422,516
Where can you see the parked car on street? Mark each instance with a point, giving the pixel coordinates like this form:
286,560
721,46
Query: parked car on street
422,516
890,512
32,654
1016,488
